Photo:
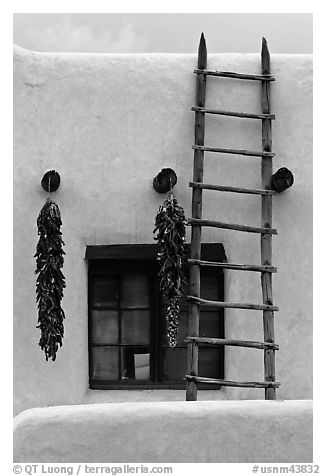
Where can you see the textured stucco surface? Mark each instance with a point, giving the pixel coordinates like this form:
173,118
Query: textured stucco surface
221,432
108,124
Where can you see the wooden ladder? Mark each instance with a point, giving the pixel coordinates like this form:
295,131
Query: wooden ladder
266,231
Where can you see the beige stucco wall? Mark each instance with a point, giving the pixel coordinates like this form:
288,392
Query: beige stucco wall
221,432
108,124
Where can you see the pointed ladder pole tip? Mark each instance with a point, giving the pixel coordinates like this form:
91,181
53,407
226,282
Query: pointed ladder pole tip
202,53
202,41
264,46
265,57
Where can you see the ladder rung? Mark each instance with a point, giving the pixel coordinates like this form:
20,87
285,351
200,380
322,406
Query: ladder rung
251,153
236,305
231,226
240,267
233,114
229,74
226,188
229,383
236,343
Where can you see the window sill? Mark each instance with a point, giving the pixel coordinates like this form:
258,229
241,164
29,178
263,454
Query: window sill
147,386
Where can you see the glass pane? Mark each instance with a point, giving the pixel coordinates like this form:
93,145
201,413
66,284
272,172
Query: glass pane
208,365
106,292
105,327
210,324
135,291
135,327
105,363
209,287
174,364
135,363
182,330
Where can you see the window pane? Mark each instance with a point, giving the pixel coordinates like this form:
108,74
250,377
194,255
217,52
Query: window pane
106,292
209,287
174,364
135,327
210,324
105,363
135,363
135,291
208,365
105,327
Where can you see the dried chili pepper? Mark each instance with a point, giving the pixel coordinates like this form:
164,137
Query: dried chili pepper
50,281
171,235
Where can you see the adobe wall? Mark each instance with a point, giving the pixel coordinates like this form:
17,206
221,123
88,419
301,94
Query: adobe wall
108,124
221,432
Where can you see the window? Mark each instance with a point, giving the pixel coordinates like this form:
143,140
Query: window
128,347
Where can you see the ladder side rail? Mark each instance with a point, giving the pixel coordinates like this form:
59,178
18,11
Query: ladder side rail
266,239
195,253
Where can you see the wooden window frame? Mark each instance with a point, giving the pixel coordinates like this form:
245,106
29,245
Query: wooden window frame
123,258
